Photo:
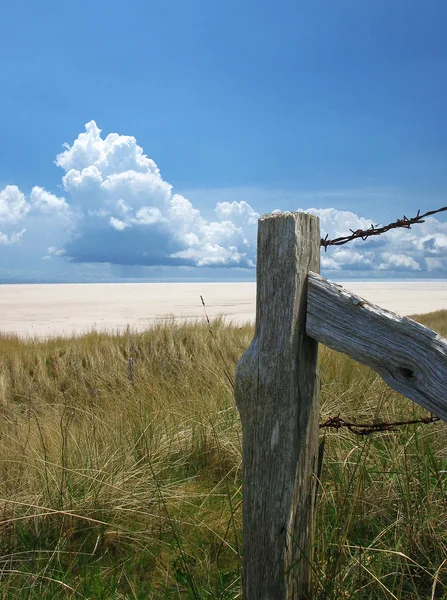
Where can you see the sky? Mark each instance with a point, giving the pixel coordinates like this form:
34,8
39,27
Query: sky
143,140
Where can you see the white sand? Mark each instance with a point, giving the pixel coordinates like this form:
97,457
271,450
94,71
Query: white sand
64,309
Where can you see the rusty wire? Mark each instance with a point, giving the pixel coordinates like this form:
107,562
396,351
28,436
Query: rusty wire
377,230
369,428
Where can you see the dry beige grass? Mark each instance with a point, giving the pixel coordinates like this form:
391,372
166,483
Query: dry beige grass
120,473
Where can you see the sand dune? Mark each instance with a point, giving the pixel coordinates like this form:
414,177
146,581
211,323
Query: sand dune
65,309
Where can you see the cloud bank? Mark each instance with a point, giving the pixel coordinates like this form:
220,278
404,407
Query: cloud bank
116,208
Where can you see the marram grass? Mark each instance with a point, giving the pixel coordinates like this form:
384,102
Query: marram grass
120,473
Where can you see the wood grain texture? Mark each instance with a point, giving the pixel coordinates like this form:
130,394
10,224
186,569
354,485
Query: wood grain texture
411,358
277,396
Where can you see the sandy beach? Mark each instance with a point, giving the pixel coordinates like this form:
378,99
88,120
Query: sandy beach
43,310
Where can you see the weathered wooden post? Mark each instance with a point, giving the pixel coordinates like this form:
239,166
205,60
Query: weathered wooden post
277,397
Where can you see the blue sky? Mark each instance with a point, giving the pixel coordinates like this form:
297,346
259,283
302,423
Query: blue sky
212,113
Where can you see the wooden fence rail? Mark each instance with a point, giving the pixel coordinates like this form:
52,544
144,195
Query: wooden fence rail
277,394
411,358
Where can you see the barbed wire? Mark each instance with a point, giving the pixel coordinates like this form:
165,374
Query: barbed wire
369,428
377,230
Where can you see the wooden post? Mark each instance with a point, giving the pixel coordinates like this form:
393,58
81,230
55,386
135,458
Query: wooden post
277,397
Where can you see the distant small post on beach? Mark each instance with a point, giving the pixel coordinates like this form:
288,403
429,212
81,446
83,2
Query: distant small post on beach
277,394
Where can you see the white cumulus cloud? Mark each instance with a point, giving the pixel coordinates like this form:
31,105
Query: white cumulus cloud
12,239
117,224
135,217
13,205
47,202
398,262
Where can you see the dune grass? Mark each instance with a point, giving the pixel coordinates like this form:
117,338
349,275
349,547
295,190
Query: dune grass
120,473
